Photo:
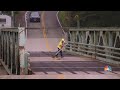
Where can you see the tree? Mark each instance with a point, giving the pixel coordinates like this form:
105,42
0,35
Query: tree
92,18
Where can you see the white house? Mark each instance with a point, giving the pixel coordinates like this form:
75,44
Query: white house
5,21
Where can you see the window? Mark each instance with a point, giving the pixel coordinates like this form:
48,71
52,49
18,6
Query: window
35,14
2,21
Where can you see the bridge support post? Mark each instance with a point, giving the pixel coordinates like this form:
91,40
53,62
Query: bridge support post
110,42
95,43
70,40
23,54
26,62
0,45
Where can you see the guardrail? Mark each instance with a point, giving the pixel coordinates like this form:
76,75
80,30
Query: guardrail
103,53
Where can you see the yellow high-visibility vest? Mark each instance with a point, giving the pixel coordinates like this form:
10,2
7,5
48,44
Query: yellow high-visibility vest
60,45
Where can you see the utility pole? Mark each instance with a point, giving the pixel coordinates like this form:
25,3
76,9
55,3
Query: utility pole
12,18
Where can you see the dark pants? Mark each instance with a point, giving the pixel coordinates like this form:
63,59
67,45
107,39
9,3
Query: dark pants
59,52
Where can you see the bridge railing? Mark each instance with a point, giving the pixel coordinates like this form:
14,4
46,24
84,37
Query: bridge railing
101,52
13,56
100,43
9,50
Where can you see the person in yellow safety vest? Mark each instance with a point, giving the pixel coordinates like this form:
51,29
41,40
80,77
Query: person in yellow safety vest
60,47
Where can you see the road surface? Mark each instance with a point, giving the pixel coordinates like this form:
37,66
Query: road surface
42,43
47,37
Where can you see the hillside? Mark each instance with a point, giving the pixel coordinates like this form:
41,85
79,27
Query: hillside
90,18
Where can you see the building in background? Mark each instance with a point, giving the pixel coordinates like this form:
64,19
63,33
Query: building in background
5,21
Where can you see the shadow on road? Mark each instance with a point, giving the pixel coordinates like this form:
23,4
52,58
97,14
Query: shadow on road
69,66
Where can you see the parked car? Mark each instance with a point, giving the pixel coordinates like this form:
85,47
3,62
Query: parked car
34,16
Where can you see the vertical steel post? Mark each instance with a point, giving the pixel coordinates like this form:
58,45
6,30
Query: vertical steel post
0,45
95,43
26,62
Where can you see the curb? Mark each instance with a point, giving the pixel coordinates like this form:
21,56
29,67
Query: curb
64,34
60,23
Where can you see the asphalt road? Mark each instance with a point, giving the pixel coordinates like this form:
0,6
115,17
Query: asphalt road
45,35
70,65
33,33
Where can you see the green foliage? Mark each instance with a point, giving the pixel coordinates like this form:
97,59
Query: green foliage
64,18
90,18
9,12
